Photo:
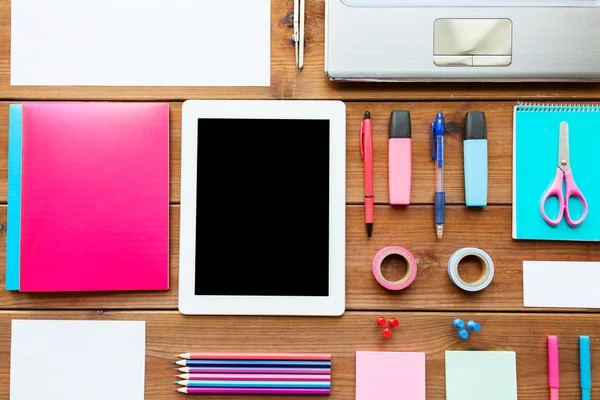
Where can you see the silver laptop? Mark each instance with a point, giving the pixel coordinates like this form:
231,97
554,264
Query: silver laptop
462,40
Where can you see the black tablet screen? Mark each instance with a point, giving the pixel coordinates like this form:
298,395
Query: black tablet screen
262,217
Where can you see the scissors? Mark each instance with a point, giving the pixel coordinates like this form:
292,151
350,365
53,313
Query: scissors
563,174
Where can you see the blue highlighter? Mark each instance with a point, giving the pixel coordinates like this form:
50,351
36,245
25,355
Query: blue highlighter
584,367
475,148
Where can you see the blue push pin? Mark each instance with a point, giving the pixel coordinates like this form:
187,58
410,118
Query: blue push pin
463,334
473,326
458,323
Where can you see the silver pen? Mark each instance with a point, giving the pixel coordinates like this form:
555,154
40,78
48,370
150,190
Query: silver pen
298,36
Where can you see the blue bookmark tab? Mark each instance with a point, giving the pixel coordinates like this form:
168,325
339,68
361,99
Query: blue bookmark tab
13,228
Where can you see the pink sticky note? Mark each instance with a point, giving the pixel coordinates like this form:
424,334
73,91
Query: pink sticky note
390,375
95,197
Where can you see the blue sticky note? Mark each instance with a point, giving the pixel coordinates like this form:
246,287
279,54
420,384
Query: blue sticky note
477,375
13,225
535,160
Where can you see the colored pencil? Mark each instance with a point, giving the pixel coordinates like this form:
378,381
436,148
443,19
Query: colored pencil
255,377
256,356
283,391
257,384
254,363
253,370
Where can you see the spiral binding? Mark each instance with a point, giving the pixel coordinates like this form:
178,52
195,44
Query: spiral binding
557,107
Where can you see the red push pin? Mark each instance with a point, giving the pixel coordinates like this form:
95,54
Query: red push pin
393,322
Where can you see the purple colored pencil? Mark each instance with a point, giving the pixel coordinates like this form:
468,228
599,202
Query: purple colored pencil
288,391
256,370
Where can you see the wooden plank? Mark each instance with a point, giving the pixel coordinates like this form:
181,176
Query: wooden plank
169,334
411,228
498,114
285,55
94,300
414,229
286,82
499,117
174,151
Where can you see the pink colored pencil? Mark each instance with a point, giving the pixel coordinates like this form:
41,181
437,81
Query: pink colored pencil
254,370
288,391
255,377
257,356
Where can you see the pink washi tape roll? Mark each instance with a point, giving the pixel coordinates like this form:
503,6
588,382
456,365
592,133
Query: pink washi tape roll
411,268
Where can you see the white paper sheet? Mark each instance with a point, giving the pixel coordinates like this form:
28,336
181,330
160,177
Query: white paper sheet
74,360
565,284
141,42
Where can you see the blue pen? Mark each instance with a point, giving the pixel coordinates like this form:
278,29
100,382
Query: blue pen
584,367
437,154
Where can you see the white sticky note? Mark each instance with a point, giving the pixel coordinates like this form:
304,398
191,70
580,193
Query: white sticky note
478,375
74,360
567,284
141,42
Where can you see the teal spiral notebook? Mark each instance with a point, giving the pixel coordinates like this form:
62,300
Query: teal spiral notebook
535,161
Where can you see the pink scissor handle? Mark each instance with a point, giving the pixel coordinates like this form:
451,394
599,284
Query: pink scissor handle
556,189
573,191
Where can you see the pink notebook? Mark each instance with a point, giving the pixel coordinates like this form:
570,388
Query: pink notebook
95,197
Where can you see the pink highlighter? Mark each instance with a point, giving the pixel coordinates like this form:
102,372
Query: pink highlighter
400,158
553,379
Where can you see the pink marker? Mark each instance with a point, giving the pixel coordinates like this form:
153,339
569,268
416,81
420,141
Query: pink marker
553,380
400,158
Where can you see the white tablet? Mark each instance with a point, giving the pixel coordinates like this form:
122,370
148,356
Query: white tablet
263,207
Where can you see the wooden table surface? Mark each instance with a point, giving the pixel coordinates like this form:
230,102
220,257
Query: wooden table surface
425,310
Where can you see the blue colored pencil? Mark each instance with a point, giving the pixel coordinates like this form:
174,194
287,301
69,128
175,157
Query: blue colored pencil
257,384
254,363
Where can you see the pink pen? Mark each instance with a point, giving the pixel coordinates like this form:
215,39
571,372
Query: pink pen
400,158
553,380
366,151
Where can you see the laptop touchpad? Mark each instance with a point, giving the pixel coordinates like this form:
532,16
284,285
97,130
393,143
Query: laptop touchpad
472,42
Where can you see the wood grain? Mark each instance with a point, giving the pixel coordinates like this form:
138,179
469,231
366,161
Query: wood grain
174,151
425,310
286,82
169,334
411,228
499,117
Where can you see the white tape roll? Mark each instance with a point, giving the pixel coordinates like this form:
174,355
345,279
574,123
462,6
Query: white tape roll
488,269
